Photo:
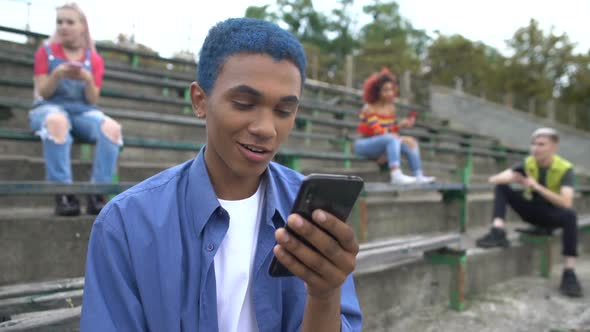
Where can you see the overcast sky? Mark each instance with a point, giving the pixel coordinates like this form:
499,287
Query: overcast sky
173,25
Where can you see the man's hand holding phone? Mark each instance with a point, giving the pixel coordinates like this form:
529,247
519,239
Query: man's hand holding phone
325,270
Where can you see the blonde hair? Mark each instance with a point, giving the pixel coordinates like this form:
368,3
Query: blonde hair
87,40
547,132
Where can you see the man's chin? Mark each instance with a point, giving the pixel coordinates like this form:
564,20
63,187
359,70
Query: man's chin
251,171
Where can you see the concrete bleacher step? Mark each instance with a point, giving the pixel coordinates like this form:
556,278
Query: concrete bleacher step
323,115
27,233
392,291
135,78
36,245
393,277
181,128
19,168
422,212
186,150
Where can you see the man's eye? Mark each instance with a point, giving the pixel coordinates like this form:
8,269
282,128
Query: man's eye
242,105
284,112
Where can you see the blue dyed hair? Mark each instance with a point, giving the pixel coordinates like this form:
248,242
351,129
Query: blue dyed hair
246,35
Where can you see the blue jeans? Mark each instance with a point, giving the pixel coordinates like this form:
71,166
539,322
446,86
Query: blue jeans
375,146
85,126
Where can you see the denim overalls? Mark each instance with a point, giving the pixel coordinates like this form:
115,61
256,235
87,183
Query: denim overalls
85,123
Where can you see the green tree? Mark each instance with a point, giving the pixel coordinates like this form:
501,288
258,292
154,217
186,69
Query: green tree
389,41
340,23
261,12
479,67
304,21
575,94
539,63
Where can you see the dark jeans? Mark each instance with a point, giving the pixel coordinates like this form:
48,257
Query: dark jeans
541,214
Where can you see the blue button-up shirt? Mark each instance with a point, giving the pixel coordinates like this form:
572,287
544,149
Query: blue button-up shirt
150,258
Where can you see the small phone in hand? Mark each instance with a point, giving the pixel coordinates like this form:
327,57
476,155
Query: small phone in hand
335,194
77,64
520,170
413,114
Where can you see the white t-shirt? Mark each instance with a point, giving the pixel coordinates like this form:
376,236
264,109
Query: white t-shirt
233,264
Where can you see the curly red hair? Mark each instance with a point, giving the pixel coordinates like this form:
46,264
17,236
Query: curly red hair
373,85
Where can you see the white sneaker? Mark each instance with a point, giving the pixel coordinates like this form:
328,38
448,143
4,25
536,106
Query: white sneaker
398,178
425,179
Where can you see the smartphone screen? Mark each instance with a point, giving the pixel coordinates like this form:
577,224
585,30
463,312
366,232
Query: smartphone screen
76,64
335,194
520,170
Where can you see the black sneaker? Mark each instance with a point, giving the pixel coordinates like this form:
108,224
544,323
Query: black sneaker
569,284
67,205
495,238
95,204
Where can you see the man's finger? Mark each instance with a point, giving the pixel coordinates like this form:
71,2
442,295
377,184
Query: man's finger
338,228
310,259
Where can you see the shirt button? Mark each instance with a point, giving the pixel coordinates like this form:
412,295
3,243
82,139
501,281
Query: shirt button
210,247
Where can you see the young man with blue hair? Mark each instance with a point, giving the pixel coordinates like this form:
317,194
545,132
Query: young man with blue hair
189,249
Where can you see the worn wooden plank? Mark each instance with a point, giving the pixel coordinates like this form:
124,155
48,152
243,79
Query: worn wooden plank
397,250
57,320
383,187
38,302
41,287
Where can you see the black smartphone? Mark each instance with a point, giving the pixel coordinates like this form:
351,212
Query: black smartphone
335,194
520,170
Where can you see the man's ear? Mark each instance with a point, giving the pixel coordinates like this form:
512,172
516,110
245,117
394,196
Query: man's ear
198,100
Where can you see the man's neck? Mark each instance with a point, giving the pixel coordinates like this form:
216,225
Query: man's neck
545,163
238,189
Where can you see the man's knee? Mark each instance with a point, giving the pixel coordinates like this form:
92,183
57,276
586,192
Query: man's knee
112,130
502,188
570,216
57,125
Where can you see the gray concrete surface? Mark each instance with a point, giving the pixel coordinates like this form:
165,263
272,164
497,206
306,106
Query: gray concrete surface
511,127
524,304
414,296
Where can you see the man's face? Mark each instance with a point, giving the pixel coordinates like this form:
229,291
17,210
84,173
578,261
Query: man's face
543,147
249,113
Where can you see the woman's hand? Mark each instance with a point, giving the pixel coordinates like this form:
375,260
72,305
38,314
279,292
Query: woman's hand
407,122
73,71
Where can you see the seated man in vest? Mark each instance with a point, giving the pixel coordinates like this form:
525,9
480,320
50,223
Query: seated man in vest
546,202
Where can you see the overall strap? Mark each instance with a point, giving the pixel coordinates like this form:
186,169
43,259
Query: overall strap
87,58
50,56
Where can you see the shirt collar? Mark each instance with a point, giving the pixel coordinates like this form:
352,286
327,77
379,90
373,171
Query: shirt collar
278,204
201,200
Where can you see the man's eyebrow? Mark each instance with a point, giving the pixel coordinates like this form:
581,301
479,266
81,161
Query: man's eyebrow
246,89
290,100
251,91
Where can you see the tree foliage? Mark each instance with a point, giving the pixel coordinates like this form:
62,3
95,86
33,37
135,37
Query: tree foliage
539,65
